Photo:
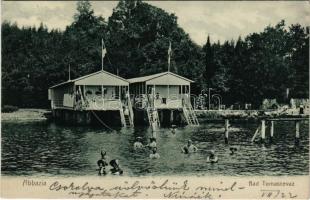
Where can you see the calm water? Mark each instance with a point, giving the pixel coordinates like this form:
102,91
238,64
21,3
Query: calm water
47,149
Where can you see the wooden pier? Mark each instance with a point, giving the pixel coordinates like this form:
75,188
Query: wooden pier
271,121
264,124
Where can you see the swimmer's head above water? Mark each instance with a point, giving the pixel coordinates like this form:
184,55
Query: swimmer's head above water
114,163
103,154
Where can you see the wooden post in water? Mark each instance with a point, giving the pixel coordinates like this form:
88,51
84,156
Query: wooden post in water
226,130
271,130
297,123
154,128
171,117
154,134
88,116
263,131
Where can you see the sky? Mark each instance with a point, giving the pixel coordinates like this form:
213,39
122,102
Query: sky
222,20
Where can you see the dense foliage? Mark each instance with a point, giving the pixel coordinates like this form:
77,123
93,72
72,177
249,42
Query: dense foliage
8,109
137,35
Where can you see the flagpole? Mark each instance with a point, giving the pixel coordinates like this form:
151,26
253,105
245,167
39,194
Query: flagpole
69,73
102,54
169,52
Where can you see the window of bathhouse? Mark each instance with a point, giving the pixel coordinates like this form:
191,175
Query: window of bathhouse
98,91
157,96
185,89
149,89
105,91
182,89
124,90
79,89
89,92
116,92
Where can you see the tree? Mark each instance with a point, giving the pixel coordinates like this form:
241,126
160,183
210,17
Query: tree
267,67
137,36
209,63
299,51
237,78
83,40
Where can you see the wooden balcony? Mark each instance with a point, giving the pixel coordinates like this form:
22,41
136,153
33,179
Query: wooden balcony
175,102
105,104
87,104
168,103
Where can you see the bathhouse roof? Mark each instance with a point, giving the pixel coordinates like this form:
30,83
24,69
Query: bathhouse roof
98,78
164,78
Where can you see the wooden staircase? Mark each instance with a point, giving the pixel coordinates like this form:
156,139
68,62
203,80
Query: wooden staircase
190,115
127,121
126,113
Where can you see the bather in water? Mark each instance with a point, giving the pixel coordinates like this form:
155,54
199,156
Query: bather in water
102,163
232,150
189,148
152,143
173,129
154,154
212,158
138,144
116,170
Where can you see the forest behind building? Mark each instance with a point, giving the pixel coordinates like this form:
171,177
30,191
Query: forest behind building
137,35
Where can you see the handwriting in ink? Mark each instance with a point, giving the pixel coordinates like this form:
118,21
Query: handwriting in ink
272,194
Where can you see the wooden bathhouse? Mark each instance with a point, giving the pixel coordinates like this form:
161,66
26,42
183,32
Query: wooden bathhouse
92,98
164,97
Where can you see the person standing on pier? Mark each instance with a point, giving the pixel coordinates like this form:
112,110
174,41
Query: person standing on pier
301,109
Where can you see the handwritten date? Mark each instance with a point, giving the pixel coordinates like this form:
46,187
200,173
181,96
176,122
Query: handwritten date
277,194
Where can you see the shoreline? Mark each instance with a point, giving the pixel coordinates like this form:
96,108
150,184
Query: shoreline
248,115
36,114
25,114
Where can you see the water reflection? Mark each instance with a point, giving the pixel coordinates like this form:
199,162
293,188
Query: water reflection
47,149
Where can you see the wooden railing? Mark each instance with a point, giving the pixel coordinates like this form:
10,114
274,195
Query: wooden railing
105,104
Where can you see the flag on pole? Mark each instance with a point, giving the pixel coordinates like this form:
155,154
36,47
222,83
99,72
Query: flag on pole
69,73
169,54
104,52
